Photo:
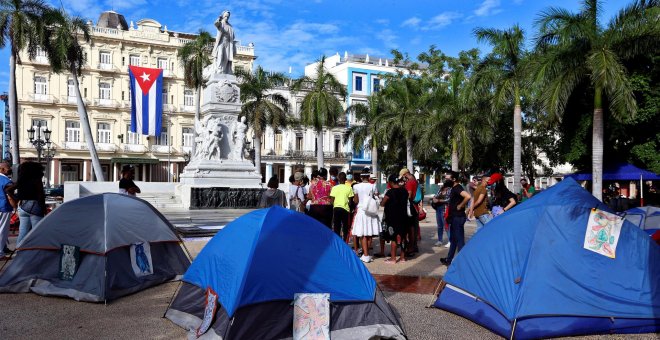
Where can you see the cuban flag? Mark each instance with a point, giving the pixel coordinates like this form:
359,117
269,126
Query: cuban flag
146,100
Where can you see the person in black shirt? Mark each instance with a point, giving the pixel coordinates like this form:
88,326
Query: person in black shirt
126,184
458,199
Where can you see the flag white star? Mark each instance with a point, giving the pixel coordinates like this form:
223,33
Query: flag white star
144,76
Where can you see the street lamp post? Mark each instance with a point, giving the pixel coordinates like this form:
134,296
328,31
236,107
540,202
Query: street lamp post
44,147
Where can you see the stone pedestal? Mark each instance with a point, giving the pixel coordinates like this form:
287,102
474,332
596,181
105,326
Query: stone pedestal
219,158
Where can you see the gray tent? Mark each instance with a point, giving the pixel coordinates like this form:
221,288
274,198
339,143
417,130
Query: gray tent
97,248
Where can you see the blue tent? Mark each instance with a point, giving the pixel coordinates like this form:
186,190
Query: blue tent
646,218
619,172
527,275
258,262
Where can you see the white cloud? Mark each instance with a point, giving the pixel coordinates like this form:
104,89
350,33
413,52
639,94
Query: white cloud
388,37
412,22
488,7
441,20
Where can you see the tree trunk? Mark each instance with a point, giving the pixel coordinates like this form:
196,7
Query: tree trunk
13,115
198,98
319,151
454,155
374,161
257,152
517,131
409,155
597,148
84,122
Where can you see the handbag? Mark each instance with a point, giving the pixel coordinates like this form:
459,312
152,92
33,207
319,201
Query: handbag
295,203
422,214
371,209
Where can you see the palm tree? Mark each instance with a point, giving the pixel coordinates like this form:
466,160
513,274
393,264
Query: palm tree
66,55
320,106
20,23
366,132
194,56
261,106
503,71
407,103
574,49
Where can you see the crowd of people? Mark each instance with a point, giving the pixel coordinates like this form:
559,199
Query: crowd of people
350,207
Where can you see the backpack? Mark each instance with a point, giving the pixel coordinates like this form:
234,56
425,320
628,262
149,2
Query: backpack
418,195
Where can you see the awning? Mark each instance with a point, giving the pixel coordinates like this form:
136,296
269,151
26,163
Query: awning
128,160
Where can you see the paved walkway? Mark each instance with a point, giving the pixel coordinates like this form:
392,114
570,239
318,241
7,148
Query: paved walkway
408,288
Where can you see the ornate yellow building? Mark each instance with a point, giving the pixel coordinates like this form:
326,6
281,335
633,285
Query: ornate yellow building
48,100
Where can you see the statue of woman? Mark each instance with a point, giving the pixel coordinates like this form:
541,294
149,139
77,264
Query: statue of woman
239,139
224,48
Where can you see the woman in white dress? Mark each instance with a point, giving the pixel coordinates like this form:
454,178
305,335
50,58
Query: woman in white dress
365,226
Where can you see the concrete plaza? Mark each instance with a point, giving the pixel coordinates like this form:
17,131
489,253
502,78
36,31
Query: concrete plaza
29,316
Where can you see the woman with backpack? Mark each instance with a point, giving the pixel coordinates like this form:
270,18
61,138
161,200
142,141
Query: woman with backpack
366,224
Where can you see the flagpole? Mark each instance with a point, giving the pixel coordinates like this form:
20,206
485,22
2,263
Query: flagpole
169,146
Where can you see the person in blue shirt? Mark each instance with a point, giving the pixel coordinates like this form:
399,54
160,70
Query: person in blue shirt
6,208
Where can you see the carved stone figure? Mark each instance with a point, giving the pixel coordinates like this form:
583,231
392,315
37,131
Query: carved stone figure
224,48
238,139
209,139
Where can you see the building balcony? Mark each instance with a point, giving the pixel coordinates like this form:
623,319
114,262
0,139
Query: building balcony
168,108
135,148
106,147
106,102
40,59
168,73
42,98
186,108
74,146
162,149
306,155
72,100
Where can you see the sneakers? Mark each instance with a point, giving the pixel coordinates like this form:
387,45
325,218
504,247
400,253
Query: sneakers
360,252
438,244
365,259
448,245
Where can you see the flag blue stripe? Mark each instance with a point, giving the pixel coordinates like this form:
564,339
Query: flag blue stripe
159,104
131,83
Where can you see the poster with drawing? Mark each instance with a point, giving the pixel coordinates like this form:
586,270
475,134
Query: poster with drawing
209,312
603,230
141,259
69,261
311,316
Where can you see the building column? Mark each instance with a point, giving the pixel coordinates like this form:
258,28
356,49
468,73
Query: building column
58,171
269,171
87,170
308,171
144,173
114,172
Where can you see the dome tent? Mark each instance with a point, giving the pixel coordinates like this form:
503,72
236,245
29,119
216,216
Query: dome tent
257,264
527,274
97,248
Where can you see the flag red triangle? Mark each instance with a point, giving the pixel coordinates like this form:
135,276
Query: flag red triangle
145,77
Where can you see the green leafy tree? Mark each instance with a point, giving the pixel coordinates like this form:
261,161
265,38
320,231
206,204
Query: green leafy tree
195,56
575,48
503,71
21,25
261,106
320,107
65,54
366,131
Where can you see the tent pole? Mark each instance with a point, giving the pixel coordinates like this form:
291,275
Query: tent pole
172,299
641,191
513,329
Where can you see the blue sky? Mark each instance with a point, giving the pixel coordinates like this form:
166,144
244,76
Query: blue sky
295,33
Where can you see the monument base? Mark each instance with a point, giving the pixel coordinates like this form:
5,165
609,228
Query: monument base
221,173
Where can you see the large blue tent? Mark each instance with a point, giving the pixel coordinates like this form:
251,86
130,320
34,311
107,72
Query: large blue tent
257,264
619,172
526,274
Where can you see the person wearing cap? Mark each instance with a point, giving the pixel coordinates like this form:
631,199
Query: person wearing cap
319,196
479,207
396,217
413,229
503,198
458,200
126,184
